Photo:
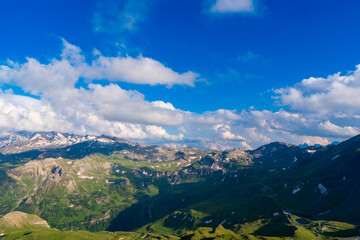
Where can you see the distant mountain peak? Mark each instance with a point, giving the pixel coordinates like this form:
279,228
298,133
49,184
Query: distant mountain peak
274,146
25,141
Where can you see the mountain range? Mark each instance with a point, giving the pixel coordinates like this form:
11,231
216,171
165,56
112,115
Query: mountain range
83,185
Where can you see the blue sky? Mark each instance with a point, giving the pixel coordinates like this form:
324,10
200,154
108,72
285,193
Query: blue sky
206,73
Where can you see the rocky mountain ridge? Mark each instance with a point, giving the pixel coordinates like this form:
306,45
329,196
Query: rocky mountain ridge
23,141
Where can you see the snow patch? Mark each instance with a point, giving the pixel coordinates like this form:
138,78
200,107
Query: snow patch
207,222
295,159
324,213
335,157
105,140
311,151
296,190
276,214
85,177
322,189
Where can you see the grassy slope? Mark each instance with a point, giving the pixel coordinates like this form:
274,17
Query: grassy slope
95,193
11,190
19,225
44,234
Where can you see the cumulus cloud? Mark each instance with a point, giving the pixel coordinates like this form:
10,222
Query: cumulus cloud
332,104
133,108
335,130
59,105
22,112
27,113
139,70
336,93
37,78
232,6
225,132
218,144
318,110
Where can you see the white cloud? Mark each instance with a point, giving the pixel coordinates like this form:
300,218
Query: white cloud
161,104
336,93
311,140
225,132
27,113
98,109
116,104
38,78
323,107
337,130
233,6
319,110
139,70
